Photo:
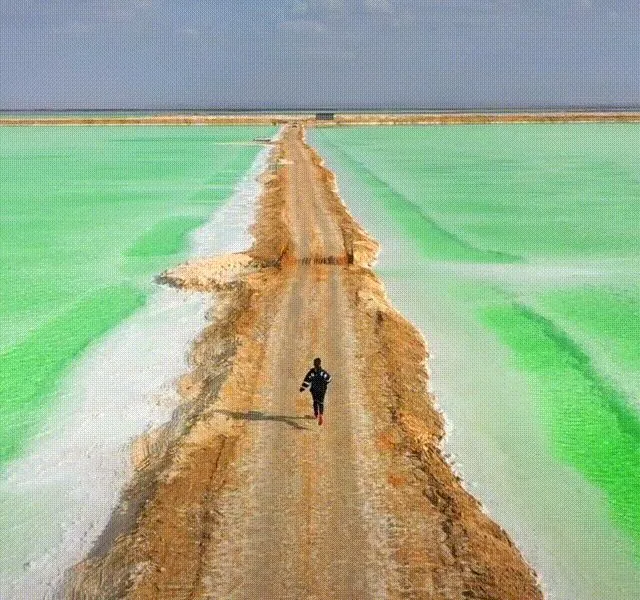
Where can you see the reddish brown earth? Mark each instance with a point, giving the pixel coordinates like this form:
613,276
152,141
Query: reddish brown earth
244,495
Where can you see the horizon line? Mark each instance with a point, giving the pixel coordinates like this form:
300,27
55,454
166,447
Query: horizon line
308,109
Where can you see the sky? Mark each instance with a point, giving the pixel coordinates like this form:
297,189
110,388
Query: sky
65,54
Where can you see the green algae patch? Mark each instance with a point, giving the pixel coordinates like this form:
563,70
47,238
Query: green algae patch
591,425
30,370
165,238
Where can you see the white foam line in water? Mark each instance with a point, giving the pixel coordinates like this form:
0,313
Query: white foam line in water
57,499
542,273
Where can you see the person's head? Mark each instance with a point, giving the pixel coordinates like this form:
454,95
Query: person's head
316,363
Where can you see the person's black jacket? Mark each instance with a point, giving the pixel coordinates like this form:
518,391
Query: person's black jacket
318,381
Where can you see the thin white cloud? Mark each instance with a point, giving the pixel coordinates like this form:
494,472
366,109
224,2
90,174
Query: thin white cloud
404,18
379,6
613,16
91,9
299,7
320,6
333,5
303,26
190,32
77,28
123,10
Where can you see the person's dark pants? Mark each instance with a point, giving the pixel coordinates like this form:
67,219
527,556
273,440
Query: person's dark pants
318,405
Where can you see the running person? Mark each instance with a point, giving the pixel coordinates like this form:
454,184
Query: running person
318,379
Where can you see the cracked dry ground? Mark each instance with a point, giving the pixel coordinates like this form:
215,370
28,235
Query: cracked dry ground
250,498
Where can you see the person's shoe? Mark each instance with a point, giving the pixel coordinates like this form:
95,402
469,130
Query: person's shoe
319,419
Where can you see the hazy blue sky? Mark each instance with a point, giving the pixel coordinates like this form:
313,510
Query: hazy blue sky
368,53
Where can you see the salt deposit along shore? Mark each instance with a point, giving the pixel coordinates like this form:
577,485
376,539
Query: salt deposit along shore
247,496
57,499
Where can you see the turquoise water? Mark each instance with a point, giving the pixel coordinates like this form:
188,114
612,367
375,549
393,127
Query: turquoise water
515,249
89,216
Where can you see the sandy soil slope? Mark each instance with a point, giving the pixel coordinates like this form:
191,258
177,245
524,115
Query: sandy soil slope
244,495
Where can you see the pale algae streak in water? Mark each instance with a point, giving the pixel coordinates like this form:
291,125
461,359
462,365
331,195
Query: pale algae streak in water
89,215
516,250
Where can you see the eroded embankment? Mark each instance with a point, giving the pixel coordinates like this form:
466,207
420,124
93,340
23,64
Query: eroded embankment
442,546
155,541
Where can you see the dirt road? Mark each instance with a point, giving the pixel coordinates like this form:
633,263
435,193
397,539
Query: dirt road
250,497
299,529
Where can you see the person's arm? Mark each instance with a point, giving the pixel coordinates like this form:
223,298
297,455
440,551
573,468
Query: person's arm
327,377
307,381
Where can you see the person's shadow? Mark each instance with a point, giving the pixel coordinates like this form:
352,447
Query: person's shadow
256,415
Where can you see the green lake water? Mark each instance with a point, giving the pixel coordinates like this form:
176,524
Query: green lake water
89,215
515,249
